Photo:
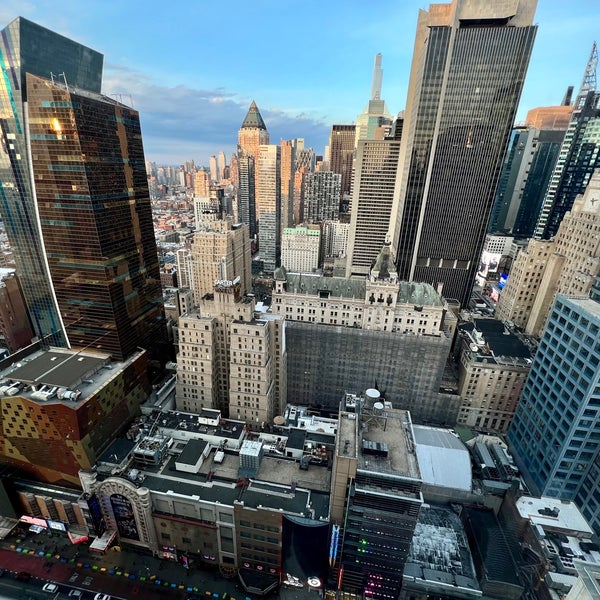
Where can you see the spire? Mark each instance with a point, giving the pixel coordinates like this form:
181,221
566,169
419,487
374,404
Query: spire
589,77
377,78
253,118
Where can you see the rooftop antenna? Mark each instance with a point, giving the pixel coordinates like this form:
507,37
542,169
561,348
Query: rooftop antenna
589,77
377,78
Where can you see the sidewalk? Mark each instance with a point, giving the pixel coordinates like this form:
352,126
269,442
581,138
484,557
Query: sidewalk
53,557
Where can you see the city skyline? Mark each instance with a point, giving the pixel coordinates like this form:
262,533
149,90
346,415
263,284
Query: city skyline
192,85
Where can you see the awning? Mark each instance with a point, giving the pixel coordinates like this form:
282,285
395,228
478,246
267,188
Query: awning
100,544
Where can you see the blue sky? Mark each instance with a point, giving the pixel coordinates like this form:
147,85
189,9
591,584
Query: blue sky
192,67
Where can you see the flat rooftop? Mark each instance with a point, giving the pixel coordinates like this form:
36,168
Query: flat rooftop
57,368
556,514
254,493
443,459
439,554
60,375
272,469
394,430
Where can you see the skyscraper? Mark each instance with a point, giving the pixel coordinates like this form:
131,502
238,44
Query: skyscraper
321,196
220,251
268,205
341,153
253,132
469,64
96,219
555,433
579,154
246,194
75,197
288,160
376,115
28,48
372,202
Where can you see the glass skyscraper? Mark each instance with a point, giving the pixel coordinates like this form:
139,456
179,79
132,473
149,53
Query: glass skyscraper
467,74
555,433
75,198
28,48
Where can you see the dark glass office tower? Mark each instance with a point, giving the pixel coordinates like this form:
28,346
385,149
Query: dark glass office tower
579,155
93,203
28,48
467,74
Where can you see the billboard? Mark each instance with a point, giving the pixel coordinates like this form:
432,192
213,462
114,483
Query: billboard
56,525
96,515
124,516
489,263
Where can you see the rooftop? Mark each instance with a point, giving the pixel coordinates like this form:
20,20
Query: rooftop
439,554
443,459
392,430
491,341
418,294
59,375
555,514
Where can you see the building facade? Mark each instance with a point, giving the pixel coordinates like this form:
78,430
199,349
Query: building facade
493,366
579,155
231,358
62,409
300,247
268,205
15,329
220,251
30,48
372,202
321,196
350,334
555,433
518,297
455,134
99,239
341,154
375,499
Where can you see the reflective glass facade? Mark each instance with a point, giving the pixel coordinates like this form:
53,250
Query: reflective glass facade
466,81
96,220
28,48
555,433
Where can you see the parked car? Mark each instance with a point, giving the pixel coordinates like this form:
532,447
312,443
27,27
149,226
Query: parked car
51,588
101,597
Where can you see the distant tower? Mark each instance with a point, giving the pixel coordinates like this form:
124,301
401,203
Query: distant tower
469,64
288,161
376,167
214,171
268,205
579,154
341,153
221,165
246,194
253,132
321,196
371,123
202,183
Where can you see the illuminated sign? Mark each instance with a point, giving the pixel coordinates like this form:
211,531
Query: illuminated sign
333,546
56,525
124,516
